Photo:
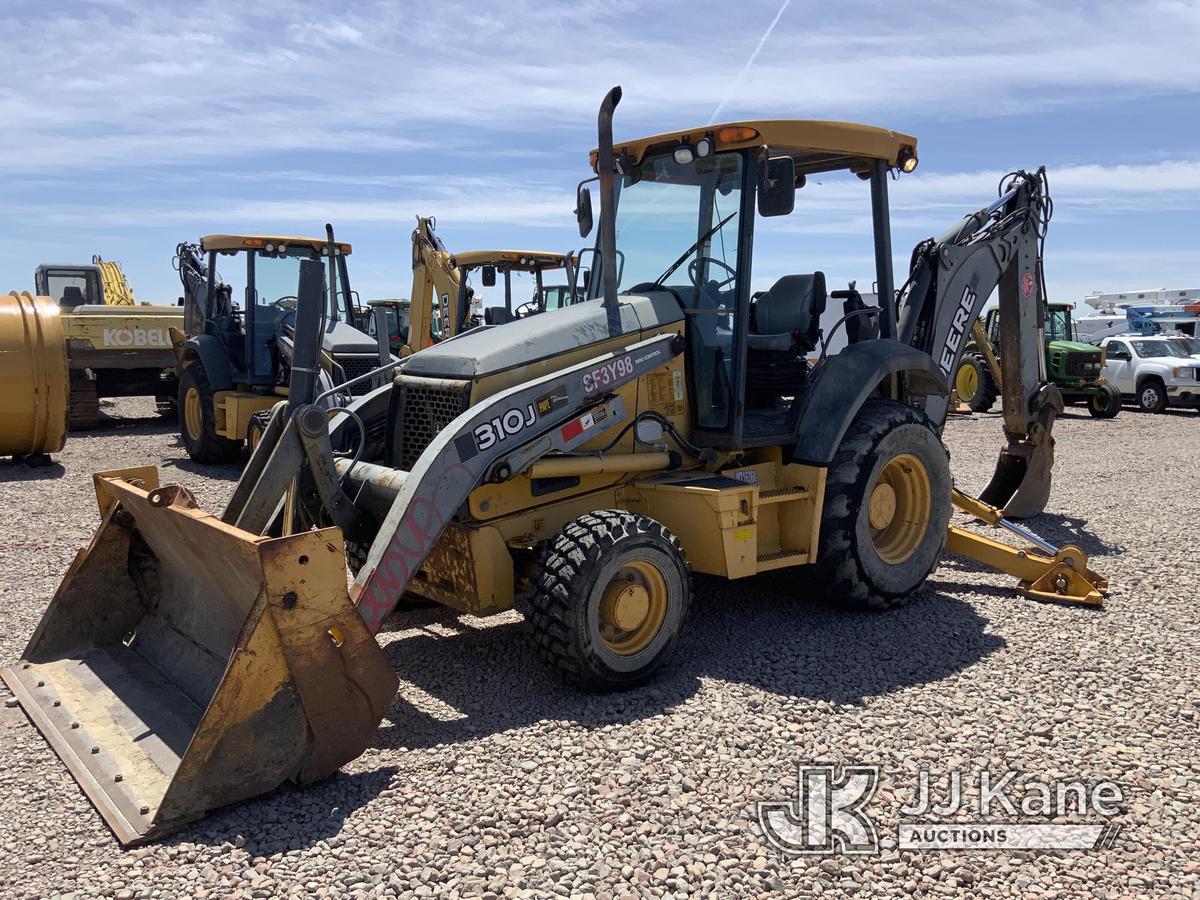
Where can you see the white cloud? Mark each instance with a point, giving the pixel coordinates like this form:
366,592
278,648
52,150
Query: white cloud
135,84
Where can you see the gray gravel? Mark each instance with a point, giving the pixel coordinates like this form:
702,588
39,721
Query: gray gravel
489,777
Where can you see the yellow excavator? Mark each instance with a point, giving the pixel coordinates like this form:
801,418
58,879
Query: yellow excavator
583,462
116,346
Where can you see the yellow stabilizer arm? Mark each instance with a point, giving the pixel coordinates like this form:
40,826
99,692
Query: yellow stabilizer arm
1046,572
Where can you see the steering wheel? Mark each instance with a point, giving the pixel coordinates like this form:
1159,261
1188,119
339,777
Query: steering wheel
527,309
289,302
694,272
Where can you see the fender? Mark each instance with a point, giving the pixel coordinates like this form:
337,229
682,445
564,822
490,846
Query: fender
844,382
210,350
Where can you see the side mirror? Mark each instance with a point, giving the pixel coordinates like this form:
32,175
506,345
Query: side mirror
776,186
585,280
489,276
583,210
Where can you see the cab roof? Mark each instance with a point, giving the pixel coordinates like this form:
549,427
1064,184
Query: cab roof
815,145
521,260
257,241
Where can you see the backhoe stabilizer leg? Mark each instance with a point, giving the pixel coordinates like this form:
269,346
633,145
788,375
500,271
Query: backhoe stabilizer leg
1046,572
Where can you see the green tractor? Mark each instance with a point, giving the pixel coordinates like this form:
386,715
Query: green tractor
1073,366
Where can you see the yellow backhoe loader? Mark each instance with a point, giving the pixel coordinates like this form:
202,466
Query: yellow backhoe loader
235,361
116,347
443,302
585,461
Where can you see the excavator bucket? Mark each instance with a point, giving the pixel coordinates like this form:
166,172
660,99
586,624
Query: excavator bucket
185,664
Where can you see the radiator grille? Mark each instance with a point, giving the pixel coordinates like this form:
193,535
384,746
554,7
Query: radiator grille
426,406
353,366
1087,364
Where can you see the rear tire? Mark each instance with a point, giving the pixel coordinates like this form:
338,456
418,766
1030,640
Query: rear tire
256,428
1104,403
167,407
887,506
197,419
609,600
85,404
974,383
1152,397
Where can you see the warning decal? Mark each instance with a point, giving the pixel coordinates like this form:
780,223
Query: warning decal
666,392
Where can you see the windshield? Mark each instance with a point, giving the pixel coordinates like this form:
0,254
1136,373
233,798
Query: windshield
277,275
677,229
1188,345
73,288
677,226
1151,349
1058,326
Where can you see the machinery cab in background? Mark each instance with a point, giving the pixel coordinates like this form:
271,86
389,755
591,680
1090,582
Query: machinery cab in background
446,297
236,346
69,285
504,268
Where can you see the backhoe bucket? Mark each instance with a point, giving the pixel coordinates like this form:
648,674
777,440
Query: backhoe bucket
185,664
1020,486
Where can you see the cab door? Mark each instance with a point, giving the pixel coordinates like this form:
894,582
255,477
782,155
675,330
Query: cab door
1119,367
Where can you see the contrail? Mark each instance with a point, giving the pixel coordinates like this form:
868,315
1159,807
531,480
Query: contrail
753,56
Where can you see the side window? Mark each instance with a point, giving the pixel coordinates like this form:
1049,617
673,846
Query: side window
1118,350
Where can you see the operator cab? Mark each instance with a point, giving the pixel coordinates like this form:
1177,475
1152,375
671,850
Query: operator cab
693,211
70,286
259,300
512,268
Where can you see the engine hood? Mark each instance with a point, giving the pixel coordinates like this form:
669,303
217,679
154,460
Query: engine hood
489,349
1075,347
343,338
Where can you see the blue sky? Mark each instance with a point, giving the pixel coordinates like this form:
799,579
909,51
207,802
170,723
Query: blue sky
130,126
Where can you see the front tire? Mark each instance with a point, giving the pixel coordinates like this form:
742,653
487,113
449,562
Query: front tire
974,383
197,419
256,428
609,600
887,507
1104,403
1152,397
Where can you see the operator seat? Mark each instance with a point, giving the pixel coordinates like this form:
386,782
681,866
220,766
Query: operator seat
72,296
785,325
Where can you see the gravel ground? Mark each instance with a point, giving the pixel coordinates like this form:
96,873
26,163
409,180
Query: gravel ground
489,777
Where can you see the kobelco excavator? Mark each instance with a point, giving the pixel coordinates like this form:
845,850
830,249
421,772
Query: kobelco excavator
583,462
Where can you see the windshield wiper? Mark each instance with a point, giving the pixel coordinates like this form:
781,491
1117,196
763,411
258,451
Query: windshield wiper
688,252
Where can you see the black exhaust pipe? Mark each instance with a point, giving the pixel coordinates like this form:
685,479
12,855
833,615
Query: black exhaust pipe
608,208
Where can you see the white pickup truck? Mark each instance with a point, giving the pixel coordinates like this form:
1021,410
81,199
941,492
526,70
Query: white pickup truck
1155,372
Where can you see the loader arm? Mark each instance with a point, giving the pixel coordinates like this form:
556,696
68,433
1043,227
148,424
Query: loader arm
997,247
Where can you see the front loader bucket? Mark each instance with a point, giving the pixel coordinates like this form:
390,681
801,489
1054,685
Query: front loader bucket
185,664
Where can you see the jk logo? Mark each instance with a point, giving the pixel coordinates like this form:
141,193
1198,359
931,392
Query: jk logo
827,815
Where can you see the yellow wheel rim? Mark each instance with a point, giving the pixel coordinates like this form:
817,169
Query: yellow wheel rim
193,415
898,508
966,382
255,436
633,608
